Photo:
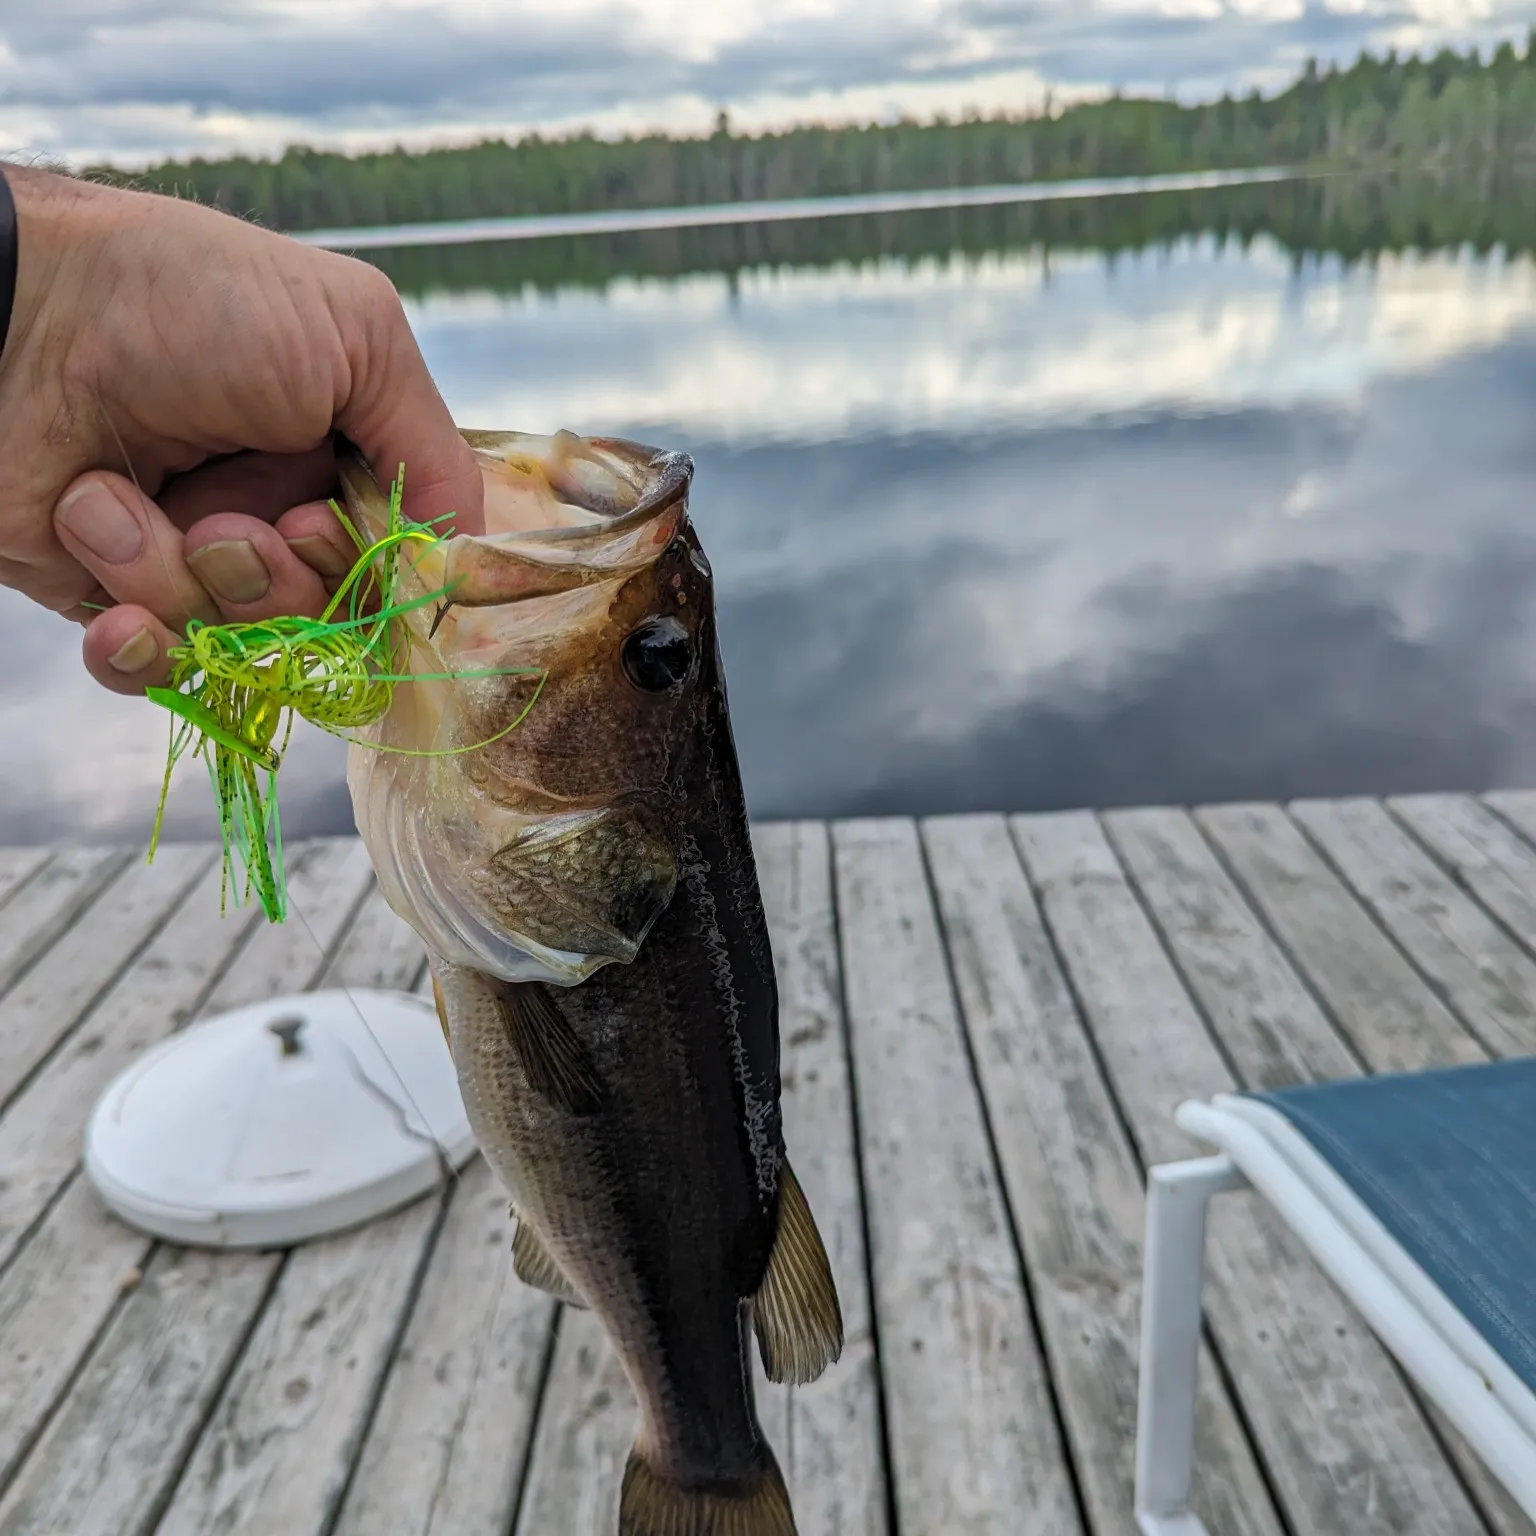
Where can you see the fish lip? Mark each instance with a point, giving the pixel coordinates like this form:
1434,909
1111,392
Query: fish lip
671,471
512,565
674,477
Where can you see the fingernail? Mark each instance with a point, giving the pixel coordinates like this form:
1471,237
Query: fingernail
232,570
108,530
320,555
135,654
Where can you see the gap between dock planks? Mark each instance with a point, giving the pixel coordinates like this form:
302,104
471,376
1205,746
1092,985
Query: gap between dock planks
45,1003
108,1457
1073,1182
1480,972
448,1446
974,1438
1275,1028
826,1435
278,1451
1385,938
1343,1441
68,1275
56,894
1383,1006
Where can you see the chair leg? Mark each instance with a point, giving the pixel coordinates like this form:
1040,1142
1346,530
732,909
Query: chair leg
1177,1195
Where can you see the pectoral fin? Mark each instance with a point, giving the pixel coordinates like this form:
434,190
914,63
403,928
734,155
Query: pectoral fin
551,1053
795,1313
442,1009
532,1265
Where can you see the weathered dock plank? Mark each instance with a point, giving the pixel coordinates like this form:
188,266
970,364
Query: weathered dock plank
1253,997
103,1464
152,1335
69,1274
278,1450
1073,1181
1269,1025
826,1435
41,1132
60,889
974,1438
1393,1020
448,1447
17,866
1027,1000
1478,969
1344,1442
46,1003
1483,853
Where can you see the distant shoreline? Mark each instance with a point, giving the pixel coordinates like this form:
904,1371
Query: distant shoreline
630,220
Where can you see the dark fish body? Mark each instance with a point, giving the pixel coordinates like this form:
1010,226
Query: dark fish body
631,1106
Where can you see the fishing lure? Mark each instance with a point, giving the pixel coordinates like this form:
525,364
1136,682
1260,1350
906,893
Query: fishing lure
235,689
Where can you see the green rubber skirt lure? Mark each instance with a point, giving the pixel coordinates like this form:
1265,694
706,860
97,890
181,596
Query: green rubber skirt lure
235,689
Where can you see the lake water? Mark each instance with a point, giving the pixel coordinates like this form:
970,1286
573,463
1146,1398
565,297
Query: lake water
1224,495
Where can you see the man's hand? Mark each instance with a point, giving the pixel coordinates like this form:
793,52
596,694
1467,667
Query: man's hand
168,391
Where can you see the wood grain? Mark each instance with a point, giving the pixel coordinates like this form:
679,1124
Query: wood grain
1073,1180
1344,1442
974,1439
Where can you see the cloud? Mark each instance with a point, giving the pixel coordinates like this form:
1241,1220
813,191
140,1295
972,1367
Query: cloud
136,78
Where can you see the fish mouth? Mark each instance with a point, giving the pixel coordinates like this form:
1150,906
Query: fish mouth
512,884
561,512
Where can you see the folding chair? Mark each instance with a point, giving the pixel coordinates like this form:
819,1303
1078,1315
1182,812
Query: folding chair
1416,1193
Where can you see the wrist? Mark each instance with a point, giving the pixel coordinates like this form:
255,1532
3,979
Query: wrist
59,236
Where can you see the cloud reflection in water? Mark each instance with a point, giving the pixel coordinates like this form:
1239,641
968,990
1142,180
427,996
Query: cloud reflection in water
1189,525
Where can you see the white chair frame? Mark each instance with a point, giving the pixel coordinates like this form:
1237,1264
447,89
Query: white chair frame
1441,1351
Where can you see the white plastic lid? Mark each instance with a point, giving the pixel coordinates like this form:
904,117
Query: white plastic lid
281,1121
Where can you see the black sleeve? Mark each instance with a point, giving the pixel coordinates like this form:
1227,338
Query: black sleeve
8,249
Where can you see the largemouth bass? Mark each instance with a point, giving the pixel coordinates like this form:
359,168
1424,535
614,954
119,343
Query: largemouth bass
585,886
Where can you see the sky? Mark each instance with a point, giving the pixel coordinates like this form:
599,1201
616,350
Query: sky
131,81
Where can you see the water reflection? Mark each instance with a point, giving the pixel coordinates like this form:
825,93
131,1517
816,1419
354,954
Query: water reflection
1021,529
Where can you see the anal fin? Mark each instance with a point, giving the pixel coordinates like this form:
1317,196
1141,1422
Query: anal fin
532,1265
795,1313
552,1055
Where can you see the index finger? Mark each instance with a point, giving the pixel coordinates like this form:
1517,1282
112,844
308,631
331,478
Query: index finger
396,416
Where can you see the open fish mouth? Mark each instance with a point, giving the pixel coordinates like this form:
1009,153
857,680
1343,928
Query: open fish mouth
489,866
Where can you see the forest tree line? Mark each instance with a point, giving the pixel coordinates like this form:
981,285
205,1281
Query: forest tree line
1408,113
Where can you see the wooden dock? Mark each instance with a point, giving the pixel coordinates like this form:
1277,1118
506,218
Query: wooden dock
987,1023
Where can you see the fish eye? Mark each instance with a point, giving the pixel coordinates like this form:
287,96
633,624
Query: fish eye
657,656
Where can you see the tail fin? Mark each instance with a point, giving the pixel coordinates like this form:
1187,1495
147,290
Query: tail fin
650,1505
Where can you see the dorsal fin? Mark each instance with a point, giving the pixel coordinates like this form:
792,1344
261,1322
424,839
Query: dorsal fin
795,1313
442,1008
553,1057
532,1265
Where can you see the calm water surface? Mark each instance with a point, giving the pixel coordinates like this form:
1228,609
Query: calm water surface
1024,527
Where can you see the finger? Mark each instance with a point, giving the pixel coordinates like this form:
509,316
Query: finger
127,544
314,535
126,649
249,570
260,485
395,414
85,612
